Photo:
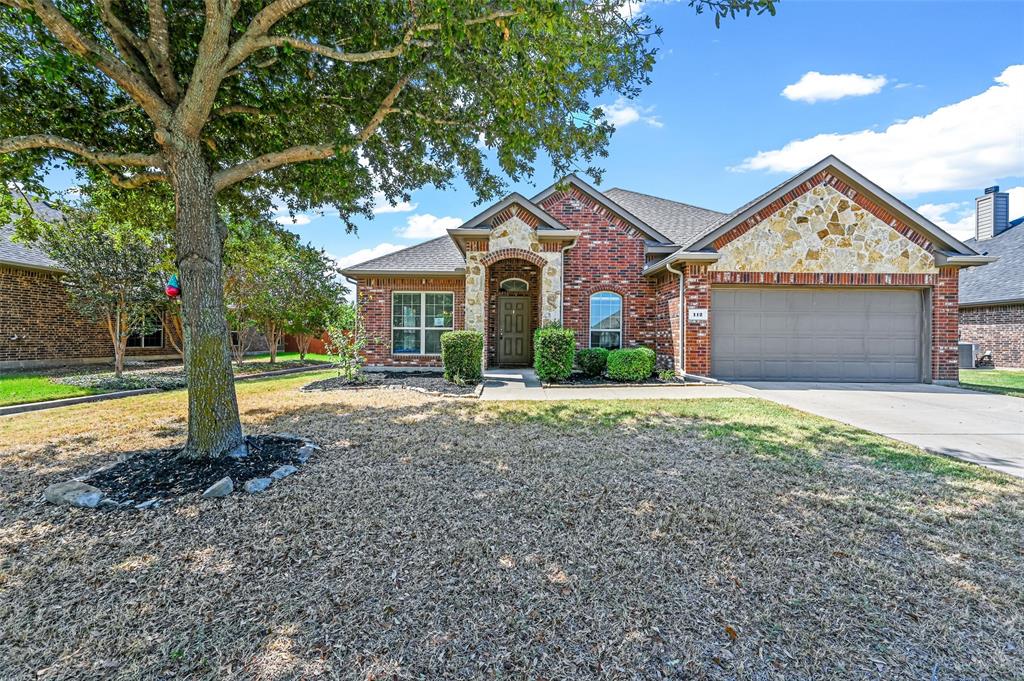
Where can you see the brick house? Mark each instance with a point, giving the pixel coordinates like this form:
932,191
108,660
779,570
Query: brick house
824,277
992,297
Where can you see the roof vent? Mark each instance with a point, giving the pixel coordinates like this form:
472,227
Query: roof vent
993,213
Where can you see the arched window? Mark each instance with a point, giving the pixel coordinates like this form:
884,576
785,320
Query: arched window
514,285
606,320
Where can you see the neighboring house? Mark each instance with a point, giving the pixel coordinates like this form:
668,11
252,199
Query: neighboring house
992,297
825,277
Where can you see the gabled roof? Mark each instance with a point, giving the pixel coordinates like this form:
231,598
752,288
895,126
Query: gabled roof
437,256
1000,281
517,199
19,254
937,235
682,223
607,203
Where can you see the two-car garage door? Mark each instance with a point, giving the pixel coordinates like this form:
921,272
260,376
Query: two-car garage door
782,334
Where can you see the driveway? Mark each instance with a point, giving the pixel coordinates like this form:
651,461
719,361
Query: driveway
983,428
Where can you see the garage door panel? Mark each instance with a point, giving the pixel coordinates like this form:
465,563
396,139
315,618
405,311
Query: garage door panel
816,334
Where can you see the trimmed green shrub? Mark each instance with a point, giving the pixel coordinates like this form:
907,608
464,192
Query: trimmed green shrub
633,364
592,361
554,351
462,354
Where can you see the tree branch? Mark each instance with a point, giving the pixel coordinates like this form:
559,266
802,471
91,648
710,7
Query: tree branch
208,72
101,159
77,43
159,43
308,152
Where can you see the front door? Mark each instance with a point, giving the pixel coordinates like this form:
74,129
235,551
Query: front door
514,330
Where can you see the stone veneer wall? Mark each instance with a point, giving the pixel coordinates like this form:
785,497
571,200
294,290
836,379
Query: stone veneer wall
496,273
823,231
997,330
608,256
38,324
373,296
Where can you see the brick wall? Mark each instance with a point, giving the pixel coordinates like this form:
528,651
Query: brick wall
945,322
697,337
668,329
608,256
496,273
373,295
997,330
38,324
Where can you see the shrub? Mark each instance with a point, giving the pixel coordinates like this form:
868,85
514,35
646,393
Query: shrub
592,361
462,355
633,364
554,350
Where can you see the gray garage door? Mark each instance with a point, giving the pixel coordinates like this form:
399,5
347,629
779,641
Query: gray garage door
779,334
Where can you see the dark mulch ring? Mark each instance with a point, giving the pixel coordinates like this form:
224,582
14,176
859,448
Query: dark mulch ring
161,474
432,381
579,378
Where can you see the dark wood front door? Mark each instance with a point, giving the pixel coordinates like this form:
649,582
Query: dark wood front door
514,316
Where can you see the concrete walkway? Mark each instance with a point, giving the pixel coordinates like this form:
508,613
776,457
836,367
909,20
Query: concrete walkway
979,427
523,384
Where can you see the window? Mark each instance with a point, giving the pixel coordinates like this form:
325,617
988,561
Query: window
153,339
418,320
606,320
514,285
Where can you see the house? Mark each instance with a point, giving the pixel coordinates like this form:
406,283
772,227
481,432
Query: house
992,297
824,277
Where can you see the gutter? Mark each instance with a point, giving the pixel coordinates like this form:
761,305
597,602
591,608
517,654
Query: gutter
402,273
683,257
945,258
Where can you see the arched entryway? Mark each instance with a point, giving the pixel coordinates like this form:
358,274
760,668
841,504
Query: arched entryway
513,311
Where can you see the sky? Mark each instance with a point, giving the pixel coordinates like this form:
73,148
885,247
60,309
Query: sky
924,98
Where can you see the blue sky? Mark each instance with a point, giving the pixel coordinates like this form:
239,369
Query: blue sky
922,97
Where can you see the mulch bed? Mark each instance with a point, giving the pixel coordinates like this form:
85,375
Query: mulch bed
428,381
161,474
579,378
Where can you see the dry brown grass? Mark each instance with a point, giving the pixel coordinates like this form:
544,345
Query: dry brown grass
445,538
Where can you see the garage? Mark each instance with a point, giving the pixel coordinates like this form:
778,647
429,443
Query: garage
817,334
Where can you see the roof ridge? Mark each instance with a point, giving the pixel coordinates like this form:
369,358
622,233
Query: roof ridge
662,198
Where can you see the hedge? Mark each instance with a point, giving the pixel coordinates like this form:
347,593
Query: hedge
462,354
554,351
633,364
592,361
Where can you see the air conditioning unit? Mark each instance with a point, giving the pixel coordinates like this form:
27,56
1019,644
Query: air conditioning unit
968,355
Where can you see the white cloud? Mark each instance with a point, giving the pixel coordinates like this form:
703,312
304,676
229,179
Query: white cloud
965,145
427,226
621,113
286,219
815,87
631,8
381,205
364,254
957,218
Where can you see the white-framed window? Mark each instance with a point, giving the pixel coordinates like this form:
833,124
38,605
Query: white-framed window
153,339
417,321
606,320
514,285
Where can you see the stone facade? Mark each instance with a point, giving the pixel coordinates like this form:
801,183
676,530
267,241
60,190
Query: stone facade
824,231
38,325
998,330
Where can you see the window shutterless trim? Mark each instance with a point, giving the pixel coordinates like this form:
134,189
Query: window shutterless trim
622,321
422,328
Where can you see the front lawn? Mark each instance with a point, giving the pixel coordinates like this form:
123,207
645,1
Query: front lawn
999,381
444,538
25,388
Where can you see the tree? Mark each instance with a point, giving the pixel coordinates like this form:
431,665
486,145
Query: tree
256,286
317,295
233,102
111,273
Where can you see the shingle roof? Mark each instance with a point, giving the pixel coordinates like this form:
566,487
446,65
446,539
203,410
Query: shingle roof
435,256
680,222
20,254
1001,280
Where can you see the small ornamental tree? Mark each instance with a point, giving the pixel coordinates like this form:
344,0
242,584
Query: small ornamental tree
231,103
316,294
111,273
347,340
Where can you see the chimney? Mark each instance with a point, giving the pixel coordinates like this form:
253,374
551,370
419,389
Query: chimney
993,214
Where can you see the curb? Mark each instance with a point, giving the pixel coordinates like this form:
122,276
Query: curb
581,386
68,401
283,372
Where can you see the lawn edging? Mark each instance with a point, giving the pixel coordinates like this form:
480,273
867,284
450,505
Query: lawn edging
68,401
283,372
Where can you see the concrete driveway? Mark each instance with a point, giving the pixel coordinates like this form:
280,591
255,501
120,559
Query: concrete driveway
979,427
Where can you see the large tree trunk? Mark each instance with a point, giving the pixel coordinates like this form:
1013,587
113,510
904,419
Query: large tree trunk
214,427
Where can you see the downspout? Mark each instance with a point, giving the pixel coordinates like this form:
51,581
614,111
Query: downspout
561,295
682,332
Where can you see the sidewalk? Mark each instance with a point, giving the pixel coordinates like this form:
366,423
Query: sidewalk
523,384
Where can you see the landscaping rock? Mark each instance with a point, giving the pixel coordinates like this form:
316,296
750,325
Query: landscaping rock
108,504
73,493
152,503
257,485
305,452
239,452
283,472
221,488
